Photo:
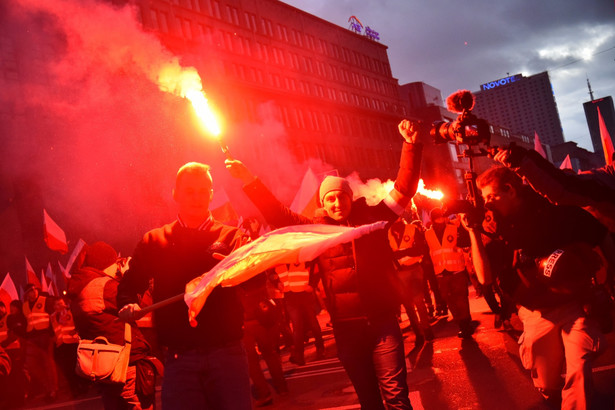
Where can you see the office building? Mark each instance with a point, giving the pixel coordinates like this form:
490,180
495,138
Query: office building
330,88
525,105
605,105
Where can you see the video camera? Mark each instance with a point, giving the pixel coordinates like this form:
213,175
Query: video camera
467,128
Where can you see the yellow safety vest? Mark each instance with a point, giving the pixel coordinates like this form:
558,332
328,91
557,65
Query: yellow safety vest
295,276
4,334
38,319
65,329
406,242
445,255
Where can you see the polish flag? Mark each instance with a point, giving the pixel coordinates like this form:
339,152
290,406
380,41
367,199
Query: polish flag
54,235
51,278
607,142
44,286
8,292
71,260
306,199
31,276
292,244
566,163
538,146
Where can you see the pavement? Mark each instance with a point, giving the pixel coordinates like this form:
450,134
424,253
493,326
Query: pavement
483,372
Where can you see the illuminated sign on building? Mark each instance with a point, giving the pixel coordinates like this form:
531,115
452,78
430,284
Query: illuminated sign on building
501,82
356,26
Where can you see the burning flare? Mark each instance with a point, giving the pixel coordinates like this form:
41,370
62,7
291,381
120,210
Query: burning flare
186,83
428,192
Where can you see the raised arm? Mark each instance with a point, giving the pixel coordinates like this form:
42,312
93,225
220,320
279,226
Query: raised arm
409,171
275,213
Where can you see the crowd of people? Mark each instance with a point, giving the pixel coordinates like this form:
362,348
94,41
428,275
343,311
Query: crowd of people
540,258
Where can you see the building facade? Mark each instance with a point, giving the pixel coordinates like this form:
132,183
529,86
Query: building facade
605,105
329,88
525,105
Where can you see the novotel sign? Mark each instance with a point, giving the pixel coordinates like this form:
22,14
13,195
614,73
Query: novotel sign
501,82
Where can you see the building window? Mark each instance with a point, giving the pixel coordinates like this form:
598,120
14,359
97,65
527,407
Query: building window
163,21
154,15
216,9
186,28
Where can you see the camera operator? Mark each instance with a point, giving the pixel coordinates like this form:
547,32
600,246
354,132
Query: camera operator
550,295
594,189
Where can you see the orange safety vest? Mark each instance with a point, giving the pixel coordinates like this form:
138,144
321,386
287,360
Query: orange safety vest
4,334
445,255
406,241
295,276
64,328
38,319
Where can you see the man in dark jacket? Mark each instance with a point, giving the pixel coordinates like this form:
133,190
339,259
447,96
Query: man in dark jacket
206,365
550,265
355,276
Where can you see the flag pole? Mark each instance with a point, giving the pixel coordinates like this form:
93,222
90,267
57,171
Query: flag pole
140,313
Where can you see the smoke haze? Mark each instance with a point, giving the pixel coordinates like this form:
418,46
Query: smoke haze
93,131
89,134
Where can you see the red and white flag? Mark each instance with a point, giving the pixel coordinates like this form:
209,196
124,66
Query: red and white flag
31,276
607,142
538,146
50,277
566,163
71,260
44,283
8,292
292,244
54,235
306,199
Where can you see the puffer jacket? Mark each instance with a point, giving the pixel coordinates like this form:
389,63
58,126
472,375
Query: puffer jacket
356,275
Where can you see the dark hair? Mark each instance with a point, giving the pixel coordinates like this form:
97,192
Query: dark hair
17,303
499,176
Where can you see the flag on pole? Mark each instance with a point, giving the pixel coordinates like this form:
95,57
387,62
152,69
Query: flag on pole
306,199
8,292
292,244
607,142
54,235
31,276
50,277
538,146
44,285
71,260
566,163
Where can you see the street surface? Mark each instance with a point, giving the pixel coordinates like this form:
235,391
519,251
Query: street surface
449,373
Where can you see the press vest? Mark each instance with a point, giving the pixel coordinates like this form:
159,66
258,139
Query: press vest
406,242
445,255
38,318
64,329
4,334
294,277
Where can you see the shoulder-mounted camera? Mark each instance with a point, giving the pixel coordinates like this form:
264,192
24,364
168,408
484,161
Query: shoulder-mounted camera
466,128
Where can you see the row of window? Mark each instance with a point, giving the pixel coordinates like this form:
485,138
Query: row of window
307,119
304,87
270,29
274,55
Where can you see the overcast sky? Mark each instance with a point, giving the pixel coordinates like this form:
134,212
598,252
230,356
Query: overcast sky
461,44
